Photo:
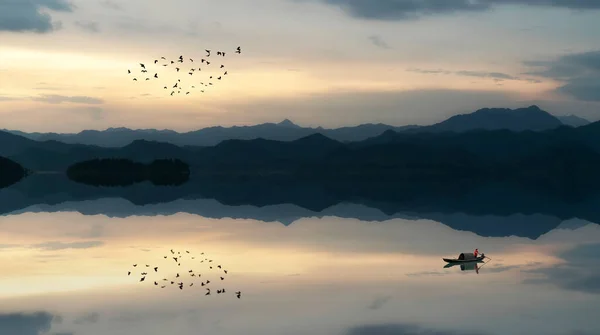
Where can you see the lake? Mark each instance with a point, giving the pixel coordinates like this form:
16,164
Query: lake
347,267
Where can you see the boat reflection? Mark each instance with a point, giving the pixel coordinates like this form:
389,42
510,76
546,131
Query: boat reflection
468,266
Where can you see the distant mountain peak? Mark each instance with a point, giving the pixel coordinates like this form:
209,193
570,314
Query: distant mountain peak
316,139
118,129
519,119
573,120
287,123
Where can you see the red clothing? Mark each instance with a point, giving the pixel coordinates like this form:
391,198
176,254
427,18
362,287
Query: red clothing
476,252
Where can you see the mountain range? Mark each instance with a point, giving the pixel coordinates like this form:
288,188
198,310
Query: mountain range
530,118
554,156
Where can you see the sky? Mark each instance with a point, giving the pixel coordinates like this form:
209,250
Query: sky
66,273
331,63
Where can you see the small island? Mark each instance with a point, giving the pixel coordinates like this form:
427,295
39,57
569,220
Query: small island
10,172
124,172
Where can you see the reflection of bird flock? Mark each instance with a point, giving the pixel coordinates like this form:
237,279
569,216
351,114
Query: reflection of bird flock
178,87
194,278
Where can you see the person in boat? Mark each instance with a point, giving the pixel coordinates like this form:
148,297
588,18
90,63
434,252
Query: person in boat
476,252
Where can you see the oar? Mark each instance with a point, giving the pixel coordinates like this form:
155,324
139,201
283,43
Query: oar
485,262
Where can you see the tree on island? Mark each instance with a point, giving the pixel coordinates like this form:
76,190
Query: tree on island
124,172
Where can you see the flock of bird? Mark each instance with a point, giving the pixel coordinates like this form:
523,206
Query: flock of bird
194,278
178,87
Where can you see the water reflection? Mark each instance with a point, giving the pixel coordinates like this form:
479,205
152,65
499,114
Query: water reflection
317,276
486,209
309,259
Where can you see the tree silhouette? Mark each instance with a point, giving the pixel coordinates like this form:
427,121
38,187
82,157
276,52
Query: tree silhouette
124,172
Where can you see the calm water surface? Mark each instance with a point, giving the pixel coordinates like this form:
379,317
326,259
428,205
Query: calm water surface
311,275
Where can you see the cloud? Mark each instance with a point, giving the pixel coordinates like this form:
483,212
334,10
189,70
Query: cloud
22,16
438,71
90,26
26,323
581,272
497,76
424,106
379,42
58,99
133,24
48,88
61,246
401,329
412,9
579,71
380,302
96,113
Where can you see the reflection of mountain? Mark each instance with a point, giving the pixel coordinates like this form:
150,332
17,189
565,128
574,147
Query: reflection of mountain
580,272
10,172
493,210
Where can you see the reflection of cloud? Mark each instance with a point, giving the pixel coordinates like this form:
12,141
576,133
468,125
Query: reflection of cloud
401,329
87,318
503,268
496,268
90,26
380,302
379,42
25,323
426,273
62,246
110,4
581,272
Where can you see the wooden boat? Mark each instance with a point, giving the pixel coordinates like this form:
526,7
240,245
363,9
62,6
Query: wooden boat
465,257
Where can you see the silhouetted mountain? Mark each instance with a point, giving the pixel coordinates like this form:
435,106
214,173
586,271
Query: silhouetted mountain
282,131
487,209
558,153
124,172
502,144
530,118
10,172
573,120
520,119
